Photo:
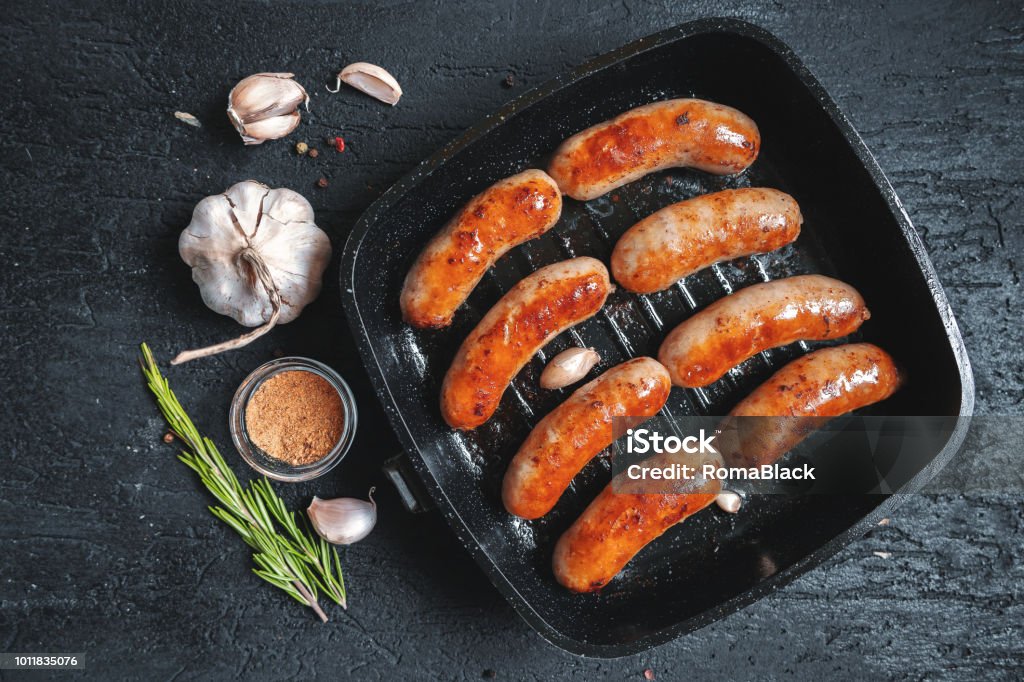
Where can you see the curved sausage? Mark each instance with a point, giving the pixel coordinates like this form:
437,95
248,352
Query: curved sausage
688,236
810,390
826,383
810,307
533,312
822,384
564,441
619,523
504,215
678,132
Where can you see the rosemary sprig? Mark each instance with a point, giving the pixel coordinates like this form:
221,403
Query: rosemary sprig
287,555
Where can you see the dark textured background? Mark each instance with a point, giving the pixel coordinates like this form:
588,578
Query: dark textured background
107,547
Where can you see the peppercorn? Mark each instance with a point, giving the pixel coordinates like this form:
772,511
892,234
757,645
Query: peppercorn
301,148
168,437
313,153
321,183
509,81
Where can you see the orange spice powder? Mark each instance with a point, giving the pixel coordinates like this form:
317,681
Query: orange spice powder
295,416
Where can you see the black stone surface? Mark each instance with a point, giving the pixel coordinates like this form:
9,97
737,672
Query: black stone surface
107,545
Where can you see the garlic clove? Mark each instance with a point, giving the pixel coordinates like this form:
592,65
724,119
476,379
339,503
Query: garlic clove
275,128
290,249
246,200
287,206
266,95
729,501
373,80
264,106
568,367
344,520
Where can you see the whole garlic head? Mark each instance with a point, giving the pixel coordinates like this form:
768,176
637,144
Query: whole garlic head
265,106
256,255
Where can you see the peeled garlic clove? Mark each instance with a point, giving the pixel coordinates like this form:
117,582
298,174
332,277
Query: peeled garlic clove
344,520
373,80
265,106
568,367
729,501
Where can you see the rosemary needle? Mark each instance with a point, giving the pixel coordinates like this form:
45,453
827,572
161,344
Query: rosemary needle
287,555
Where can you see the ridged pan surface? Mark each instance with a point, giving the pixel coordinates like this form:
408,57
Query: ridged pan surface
854,230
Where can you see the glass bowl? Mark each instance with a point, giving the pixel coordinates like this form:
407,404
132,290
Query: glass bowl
260,460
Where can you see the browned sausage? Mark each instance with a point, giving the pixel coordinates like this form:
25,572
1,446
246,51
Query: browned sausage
619,523
811,390
825,384
810,307
686,237
533,312
562,443
505,215
678,132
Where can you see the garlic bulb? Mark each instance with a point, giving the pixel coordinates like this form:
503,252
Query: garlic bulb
343,520
371,79
256,255
265,106
568,367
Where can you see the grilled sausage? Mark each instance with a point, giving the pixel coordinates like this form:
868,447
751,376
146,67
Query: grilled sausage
622,520
821,385
504,215
564,441
678,132
533,312
810,307
688,236
810,390
826,383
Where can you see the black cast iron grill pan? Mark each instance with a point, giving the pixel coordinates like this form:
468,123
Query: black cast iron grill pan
854,229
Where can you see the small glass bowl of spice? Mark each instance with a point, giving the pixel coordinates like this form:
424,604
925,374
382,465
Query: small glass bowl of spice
293,419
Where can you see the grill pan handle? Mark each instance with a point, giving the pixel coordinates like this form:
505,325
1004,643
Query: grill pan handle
411,491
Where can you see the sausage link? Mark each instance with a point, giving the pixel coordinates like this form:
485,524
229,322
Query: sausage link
811,390
807,307
826,383
619,523
533,312
501,217
678,132
564,441
822,385
688,236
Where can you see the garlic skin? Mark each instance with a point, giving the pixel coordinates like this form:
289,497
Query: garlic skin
371,79
344,520
568,367
265,106
257,257
188,119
